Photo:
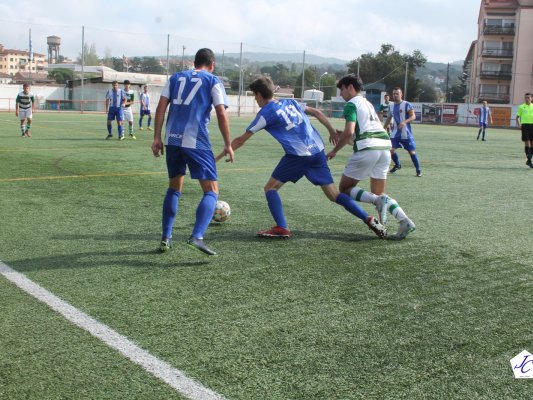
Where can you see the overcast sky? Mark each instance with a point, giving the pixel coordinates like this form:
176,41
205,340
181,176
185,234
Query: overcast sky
441,29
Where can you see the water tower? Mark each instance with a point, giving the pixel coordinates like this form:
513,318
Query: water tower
53,43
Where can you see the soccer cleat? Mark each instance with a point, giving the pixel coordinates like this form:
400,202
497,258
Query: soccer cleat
109,137
376,227
418,174
529,163
199,245
395,168
28,134
165,245
121,137
275,232
483,140
141,128
149,128
382,204
132,136
406,226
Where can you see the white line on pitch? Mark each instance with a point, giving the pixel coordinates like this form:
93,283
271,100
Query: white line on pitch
160,369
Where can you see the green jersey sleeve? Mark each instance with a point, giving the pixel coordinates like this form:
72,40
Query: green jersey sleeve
350,112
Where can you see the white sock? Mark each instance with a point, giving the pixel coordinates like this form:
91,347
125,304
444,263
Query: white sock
396,210
359,194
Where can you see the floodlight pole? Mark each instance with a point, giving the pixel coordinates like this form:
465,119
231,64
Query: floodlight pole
405,83
168,54
82,64
320,80
303,76
240,84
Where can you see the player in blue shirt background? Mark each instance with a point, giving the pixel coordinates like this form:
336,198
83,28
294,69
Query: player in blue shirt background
485,117
402,113
287,122
191,95
114,107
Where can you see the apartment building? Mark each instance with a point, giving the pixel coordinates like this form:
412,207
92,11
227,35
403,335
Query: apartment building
499,64
13,61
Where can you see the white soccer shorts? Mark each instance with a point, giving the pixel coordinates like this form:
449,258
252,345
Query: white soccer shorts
368,163
25,113
128,114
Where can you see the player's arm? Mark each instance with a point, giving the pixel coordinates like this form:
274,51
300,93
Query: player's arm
223,125
518,121
345,138
106,105
387,121
32,104
17,101
318,114
411,117
236,143
157,145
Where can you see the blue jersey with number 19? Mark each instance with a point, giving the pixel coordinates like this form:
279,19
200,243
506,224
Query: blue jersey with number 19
286,120
192,95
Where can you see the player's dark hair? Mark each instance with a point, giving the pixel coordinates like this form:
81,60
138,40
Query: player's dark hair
397,88
114,82
264,86
527,94
204,58
127,82
351,79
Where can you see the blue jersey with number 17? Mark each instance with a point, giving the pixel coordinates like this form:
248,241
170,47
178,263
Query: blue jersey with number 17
192,95
286,120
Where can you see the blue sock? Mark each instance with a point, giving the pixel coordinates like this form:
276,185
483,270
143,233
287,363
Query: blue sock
351,206
396,159
276,208
141,122
414,158
170,209
149,120
204,214
120,130
109,127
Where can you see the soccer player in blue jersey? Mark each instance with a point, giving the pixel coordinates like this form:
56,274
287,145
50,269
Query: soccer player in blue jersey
403,113
145,109
191,95
287,122
114,108
371,154
485,116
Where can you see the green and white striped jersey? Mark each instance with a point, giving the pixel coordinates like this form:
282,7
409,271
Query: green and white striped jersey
25,101
369,132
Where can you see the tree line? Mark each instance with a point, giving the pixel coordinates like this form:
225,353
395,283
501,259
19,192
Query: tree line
388,66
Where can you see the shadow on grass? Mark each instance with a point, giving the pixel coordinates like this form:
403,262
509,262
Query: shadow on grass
121,258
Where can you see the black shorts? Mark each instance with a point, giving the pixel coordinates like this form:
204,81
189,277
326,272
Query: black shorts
527,132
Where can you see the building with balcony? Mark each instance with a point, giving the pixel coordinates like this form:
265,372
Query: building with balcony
14,61
499,64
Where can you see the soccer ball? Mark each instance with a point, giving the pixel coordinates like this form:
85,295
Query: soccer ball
222,212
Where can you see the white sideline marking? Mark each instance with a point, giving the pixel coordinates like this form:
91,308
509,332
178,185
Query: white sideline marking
160,369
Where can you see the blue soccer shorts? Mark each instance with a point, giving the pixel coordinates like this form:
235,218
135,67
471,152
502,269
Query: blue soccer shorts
115,112
292,168
407,144
201,163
